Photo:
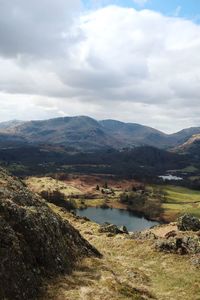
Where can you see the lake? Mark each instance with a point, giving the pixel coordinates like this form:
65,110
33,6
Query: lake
116,216
170,177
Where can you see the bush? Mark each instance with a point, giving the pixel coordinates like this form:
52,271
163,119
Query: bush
59,199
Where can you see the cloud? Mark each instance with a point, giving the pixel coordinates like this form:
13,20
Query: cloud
111,62
35,27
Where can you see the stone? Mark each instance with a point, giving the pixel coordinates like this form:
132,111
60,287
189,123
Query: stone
188,223
35,243
110,228
171,233
179,244
124,229
137,235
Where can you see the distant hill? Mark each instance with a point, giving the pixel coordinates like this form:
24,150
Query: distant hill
184,135
85,133
10,124
191,147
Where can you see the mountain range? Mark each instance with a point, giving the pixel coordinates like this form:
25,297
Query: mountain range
85,133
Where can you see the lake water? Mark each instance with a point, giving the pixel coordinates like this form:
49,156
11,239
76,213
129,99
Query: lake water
116,216
170,177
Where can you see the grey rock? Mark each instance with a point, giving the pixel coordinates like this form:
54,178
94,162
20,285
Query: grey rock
110,228
188,222
35,243
124,229
179,244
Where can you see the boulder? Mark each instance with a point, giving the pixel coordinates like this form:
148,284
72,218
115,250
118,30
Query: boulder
35,243
124,229
188,223
110,228
139,235
179,244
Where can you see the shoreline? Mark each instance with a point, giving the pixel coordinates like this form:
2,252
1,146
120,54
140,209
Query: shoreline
124,207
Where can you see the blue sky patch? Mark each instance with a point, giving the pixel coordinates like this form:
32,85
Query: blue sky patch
189,9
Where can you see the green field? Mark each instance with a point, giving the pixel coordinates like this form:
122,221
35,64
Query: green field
180,200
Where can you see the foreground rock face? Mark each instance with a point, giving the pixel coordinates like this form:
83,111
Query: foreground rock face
34,242
187,223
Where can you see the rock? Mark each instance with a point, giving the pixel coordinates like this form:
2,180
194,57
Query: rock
143,235
124,229
110,228
88,232
179,244
35,243
110,234
188,222
166,245
171,233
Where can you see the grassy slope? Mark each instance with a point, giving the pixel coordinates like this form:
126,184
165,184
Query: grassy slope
39,184
180,200
129,270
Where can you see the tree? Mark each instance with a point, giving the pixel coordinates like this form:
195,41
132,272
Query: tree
59,199
105,186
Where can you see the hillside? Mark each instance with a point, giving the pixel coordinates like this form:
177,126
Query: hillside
191,146
191,150
85,133
35,243
131,268
144,161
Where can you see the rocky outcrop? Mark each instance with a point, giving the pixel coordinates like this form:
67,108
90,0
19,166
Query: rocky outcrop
112,229
188,222
35,243
179,244
185,239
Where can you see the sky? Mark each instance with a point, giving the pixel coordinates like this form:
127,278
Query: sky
134,60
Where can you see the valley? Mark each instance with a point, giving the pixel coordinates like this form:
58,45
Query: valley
99,150
103,200
157,202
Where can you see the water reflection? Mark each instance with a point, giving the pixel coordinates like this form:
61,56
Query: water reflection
116,216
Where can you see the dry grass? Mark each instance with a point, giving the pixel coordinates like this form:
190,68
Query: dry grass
39,184
129,270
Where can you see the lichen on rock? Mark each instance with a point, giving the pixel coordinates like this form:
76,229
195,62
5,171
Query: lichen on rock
35,243
188,222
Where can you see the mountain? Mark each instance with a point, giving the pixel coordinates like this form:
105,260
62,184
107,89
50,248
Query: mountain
79,132
10,124
184,135
85,133
191,147
130,134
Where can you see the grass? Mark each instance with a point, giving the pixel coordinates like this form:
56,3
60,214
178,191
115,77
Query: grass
189,169
38,184
129,270
180,200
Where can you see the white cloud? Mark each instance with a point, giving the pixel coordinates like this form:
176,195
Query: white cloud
113,62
